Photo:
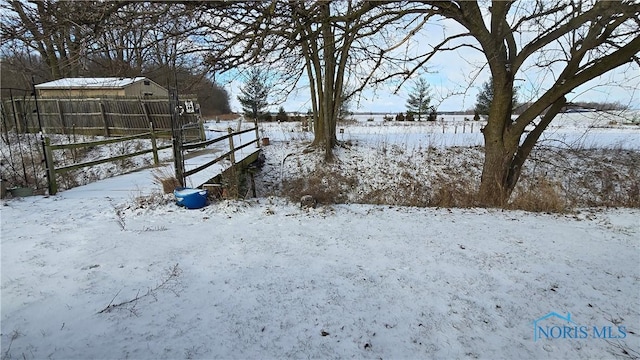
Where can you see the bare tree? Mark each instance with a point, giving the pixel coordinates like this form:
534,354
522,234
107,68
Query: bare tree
329,43
576,41
60,31
114,38
121,38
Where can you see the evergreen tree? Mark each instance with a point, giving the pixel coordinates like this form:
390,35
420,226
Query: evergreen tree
282,115
345,106
253,95
419,98
485,97
433,113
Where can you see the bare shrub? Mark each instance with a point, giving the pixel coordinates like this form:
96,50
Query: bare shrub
231,183
407,189
618,189
347,121
589,177
21,162
169,282
326,184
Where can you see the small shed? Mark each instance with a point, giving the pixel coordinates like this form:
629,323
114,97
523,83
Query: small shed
101,87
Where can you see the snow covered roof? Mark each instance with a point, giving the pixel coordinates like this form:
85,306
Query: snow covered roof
90,83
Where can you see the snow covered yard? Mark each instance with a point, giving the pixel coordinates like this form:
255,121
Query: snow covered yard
113,269
265,279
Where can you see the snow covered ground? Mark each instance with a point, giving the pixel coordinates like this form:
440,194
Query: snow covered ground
114,269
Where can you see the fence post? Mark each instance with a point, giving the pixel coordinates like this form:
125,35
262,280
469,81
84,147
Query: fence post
232,155
104,119
61,117
23,118
203,135
257,134
51,171
156,160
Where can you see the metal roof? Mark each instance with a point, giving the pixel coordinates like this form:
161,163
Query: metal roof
90,83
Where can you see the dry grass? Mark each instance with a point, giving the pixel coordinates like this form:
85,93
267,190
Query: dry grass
589,177
232,184
553,180
453,193
326,184
166,179
542,195
152,201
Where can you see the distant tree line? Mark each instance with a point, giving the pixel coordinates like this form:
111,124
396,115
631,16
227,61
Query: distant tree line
598,106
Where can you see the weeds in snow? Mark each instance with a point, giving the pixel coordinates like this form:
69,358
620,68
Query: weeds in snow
169,283
166,179
15,334
623,351
327,185
552,180
150,201
120,220
541,195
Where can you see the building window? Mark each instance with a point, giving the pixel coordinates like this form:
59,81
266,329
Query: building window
147,82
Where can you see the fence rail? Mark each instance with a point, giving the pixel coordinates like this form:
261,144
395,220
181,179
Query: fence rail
229,154
52,171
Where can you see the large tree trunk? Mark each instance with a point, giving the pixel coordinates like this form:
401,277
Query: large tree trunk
495,188
501,145
505,153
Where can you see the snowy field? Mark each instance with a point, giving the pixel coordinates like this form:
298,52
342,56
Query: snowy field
619,130
106,273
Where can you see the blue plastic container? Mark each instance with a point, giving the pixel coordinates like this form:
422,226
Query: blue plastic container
190,198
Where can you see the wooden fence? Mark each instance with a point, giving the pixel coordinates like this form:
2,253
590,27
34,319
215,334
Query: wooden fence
93,116
151,134
52,171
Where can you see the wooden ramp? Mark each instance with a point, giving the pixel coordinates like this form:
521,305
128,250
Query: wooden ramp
212,173
206,164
